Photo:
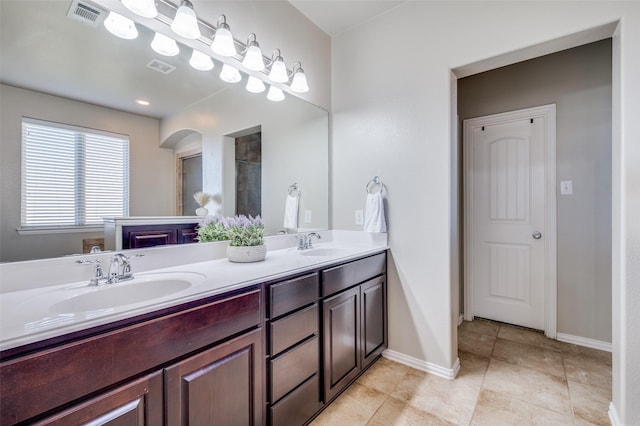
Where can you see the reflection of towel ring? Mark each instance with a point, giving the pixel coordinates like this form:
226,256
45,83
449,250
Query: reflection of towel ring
371,185
293,190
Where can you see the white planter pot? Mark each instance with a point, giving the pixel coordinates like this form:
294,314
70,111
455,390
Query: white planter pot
244,254
202,211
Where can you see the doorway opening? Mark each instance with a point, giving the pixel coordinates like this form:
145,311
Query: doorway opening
188,181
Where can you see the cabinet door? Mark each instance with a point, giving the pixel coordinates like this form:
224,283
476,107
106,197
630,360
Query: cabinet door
187,233
148,238
138,403
373,317
219,386
341,337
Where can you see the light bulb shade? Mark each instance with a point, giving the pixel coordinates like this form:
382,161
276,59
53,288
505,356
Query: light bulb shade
255,85
200,61
120,26
145,8
223,43
275,94
164,45
253,58
299,82
278,73
185,23
230,74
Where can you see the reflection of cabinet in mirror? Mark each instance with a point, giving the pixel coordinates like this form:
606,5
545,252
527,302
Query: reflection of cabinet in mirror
141,232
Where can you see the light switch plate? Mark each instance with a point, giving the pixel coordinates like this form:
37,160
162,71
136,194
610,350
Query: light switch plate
307,216
566,187
359,217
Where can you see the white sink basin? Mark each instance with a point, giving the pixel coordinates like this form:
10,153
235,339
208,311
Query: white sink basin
141,289
323,252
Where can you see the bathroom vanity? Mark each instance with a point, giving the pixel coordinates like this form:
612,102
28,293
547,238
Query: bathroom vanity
273,350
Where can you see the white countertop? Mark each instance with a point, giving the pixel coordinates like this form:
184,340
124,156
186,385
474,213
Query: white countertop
33,308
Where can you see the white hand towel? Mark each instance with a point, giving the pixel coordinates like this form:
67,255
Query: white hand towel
291,212
374,213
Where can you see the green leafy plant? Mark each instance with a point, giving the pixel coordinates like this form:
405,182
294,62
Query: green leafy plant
239,230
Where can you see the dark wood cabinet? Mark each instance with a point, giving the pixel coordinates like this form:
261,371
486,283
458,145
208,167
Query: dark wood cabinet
138,403
373,316
142,236
219,386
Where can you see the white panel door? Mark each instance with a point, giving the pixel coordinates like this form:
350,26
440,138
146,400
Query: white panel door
508,223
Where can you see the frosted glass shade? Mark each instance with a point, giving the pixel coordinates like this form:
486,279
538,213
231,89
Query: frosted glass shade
200,61
253,58
299,83
275,94
223,43
120,26
255,85
230,74
145,8
164,45
185,23
278,73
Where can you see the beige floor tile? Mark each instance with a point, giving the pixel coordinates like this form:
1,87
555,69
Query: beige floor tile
495,408
480,326
354,407
590,403
476,343
528,336
603,357
587,371
541,359
397,413
450,400
529,385
384,375
472,368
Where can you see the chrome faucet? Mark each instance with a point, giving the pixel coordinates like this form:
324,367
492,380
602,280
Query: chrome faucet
305,242
119,269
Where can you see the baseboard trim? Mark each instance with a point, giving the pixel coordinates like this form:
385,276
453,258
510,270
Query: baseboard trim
613,415
427,367
460,319
583,341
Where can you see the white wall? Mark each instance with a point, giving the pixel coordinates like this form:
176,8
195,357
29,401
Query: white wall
152,188
392,116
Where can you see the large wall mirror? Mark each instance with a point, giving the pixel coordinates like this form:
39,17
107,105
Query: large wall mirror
56,68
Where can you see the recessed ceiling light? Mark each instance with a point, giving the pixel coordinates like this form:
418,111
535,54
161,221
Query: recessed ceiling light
142,102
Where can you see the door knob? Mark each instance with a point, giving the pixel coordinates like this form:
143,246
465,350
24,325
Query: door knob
536,235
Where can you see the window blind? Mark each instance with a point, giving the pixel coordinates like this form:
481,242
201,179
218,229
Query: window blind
72,176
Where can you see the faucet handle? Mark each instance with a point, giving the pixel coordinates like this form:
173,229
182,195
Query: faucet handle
97,270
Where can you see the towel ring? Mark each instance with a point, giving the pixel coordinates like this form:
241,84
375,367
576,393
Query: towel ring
293,190
372,183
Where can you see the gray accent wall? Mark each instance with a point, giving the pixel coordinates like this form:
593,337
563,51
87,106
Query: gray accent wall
578,81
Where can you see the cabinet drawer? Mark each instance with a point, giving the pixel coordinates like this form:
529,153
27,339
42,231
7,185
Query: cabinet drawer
293,368
292,294
293,328
344,276
297,407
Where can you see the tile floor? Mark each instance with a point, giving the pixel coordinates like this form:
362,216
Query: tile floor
508,376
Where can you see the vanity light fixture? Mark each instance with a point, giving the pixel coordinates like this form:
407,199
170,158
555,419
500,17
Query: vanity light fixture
278,73
185,23
299,82
275,94
230,74
200,61
255,85
144,8
120,26
164,45
142,102
253,55
223,43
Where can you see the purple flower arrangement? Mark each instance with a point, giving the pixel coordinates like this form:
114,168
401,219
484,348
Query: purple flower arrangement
239,230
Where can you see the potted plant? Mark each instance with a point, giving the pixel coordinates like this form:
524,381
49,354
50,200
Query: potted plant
245,235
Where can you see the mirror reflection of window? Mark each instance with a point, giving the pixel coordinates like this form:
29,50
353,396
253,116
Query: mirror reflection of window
191,183
249,174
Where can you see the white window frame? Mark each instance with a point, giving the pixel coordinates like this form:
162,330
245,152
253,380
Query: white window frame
82,189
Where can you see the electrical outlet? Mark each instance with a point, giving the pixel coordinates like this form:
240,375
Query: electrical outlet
566,187
359,217
307,216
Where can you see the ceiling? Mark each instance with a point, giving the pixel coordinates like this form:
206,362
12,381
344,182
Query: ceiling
336,16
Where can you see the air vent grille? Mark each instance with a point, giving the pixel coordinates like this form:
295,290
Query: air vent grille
86,13
160,66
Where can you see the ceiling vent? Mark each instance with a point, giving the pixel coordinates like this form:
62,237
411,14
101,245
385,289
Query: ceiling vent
86,13
160,66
